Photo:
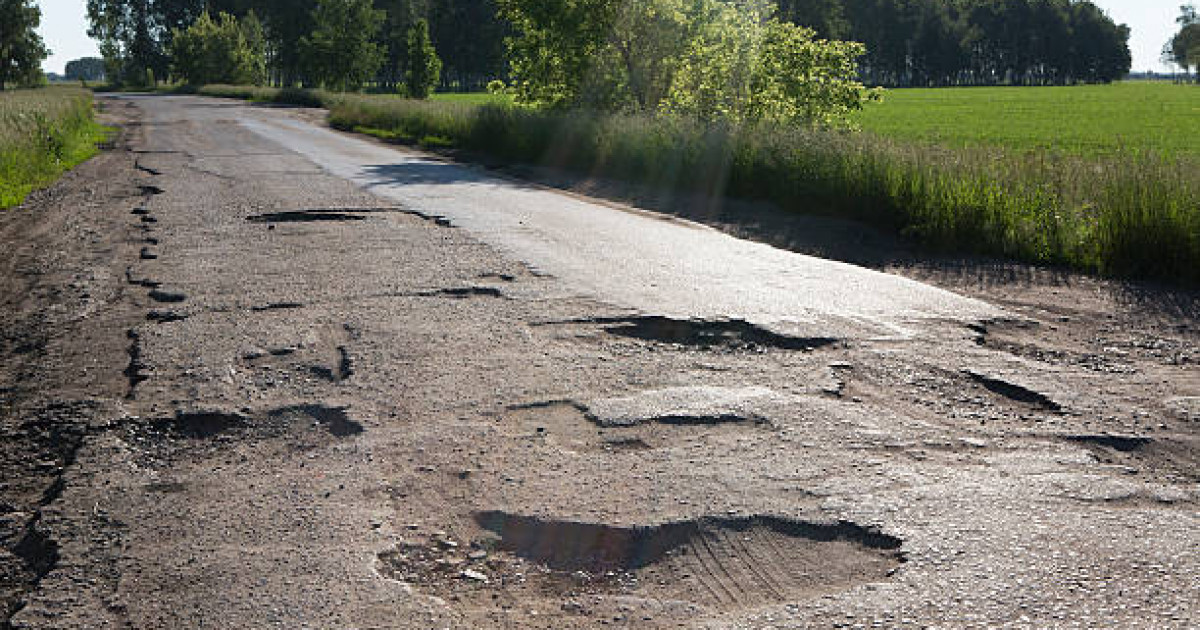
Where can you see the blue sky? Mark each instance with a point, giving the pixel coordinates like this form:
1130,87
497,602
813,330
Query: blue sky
64,27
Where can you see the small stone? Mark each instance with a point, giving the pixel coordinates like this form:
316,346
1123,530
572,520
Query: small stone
477,555
476,576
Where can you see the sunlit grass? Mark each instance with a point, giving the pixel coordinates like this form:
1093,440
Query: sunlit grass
43,132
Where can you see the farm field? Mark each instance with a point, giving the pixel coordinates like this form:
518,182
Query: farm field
1094,121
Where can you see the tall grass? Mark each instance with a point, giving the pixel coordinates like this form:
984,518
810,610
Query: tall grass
43,132
1132,216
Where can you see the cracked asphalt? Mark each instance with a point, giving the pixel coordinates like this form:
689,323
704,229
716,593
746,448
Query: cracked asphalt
261,374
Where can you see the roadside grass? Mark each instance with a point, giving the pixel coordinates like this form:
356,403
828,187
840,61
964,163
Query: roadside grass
1134,117
1129,213
43,133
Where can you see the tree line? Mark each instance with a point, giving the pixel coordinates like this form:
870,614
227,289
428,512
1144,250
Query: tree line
136,37
908,42
973,42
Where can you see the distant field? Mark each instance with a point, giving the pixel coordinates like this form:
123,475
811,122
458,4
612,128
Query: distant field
1095,120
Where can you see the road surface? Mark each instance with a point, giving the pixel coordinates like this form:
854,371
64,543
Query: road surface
264,374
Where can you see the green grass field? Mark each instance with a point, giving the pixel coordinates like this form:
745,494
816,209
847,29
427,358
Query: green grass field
1130,118
43,132
473,98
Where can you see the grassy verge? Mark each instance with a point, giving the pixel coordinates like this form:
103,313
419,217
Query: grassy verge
43,133
1131,214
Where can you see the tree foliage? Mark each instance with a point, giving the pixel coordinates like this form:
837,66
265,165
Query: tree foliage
706,59
223,50
1184,48
424,65
85,69
341,53
21,48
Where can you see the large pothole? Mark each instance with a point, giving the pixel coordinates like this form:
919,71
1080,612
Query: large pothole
731,334
721,563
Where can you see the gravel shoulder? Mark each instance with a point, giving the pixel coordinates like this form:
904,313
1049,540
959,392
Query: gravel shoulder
241,392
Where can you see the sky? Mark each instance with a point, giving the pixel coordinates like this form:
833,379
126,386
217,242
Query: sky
64,28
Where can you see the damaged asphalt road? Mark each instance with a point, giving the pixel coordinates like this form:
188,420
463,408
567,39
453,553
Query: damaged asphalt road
260,374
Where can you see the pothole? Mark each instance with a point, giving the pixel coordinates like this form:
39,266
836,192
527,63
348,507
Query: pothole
146,169
733,334
165,317
276,306
135,370
1013,391
646,420
703,405
466,292
723,563
335,420
167,297
1123,443
202,424
342,370
306,216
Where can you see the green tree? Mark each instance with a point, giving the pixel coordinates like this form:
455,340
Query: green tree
710,59
424,65
130,39
216,51
21,48
746,67
341,53
85,69
1184,47
605,54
